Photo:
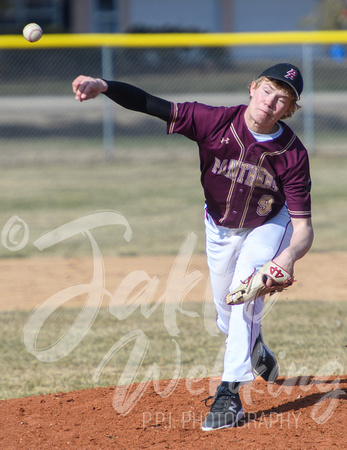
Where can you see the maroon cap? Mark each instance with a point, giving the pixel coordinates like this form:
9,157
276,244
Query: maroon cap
288,73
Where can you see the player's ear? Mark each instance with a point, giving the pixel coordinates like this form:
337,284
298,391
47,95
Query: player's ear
252,88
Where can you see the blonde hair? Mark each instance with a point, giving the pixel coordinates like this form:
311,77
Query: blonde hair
285,86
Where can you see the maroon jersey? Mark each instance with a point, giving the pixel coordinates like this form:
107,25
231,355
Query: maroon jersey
245,182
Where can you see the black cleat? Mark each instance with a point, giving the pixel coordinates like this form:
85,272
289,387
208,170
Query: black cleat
264,362
226,409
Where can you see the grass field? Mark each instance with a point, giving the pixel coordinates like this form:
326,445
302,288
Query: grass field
310,345
161,198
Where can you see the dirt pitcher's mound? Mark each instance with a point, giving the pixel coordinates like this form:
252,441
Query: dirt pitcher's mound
304,413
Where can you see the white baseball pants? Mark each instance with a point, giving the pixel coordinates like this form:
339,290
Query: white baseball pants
232,255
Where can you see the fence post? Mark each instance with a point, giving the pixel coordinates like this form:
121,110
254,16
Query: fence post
108,128
308,111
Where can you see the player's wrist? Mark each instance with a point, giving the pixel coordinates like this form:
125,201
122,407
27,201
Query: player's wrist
286,260
103,86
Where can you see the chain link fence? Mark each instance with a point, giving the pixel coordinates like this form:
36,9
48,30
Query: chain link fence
41,121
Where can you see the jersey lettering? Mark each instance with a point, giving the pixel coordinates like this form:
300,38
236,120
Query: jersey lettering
245,173
233,169
242,172
252,176
220,167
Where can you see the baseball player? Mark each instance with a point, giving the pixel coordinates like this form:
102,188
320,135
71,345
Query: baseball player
256,180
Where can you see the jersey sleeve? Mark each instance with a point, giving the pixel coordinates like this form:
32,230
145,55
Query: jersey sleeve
297,188
195,121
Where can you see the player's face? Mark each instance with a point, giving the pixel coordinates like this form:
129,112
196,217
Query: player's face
268,104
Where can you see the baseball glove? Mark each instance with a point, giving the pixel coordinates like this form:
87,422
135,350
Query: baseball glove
255,285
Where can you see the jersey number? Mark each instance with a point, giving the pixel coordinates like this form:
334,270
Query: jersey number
265,205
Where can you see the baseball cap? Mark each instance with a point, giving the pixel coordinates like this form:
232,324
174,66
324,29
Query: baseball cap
288,73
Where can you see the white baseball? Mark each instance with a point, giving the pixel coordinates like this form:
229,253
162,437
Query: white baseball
32,32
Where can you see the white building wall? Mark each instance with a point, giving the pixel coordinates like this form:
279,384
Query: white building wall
202,15
270,15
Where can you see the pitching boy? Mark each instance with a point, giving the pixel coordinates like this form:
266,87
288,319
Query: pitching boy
256,180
